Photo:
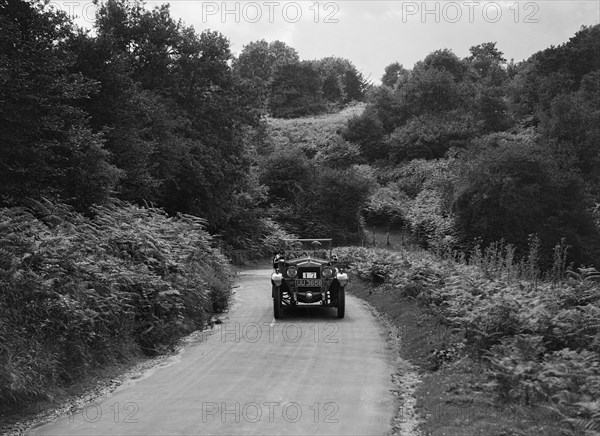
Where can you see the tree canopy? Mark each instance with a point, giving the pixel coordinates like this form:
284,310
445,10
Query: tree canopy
524,138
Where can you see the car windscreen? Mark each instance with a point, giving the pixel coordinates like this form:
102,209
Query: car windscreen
313,248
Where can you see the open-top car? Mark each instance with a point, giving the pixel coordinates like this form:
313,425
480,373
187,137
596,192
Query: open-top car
306,272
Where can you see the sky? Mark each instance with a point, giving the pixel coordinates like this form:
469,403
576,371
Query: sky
374,34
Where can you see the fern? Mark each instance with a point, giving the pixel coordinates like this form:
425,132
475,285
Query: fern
538,341
77,292
585,274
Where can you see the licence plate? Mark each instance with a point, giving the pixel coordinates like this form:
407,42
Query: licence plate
309,283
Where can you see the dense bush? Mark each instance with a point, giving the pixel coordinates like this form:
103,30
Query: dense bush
296,90
522,140
430,137
415,196
268,239
319,197
537,342
514,189
78,292
290,88
386,206
46,144
367,132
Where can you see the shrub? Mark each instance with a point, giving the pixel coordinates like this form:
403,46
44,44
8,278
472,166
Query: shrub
516,189
77,292
538,342
430,136
367,131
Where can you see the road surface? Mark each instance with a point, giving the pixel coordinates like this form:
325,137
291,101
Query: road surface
308,373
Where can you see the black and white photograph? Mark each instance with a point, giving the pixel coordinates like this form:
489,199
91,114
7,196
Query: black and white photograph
309,217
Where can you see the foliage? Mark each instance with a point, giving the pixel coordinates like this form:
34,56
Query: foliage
317,184
46,144
394,73
259,59
429,219
386,206
523,139
342,82
415,196
430,137
536,342
325,203
143,108
367,132
287,87
310,134
498,160
444,60
287,174
354,85
177,118
571,128
515,189
429,91
339,154
337,199
257,63
296,90
556,70
78,292
142,93
267,239
487,62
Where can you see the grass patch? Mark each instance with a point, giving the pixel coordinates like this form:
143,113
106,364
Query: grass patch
310,133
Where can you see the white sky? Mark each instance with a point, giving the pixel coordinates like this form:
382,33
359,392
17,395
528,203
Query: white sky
373,34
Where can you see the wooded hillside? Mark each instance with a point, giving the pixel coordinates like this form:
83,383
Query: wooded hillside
139,158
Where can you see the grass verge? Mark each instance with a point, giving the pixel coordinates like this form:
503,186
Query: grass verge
495,357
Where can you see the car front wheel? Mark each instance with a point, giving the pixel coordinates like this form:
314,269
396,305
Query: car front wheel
341,306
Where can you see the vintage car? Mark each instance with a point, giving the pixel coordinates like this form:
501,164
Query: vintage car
307,273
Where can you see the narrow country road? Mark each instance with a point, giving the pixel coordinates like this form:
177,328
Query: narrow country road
306,374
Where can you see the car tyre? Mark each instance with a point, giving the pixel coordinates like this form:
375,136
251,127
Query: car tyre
277,303
341,306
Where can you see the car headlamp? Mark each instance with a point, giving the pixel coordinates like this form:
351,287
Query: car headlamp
343,279
327,272
276,277
292,272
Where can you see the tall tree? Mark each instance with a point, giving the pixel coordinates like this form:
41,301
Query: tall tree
488,70
46,145
296,90
393,73
487,62
513,189
259,59
342,82
176,117
257,64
